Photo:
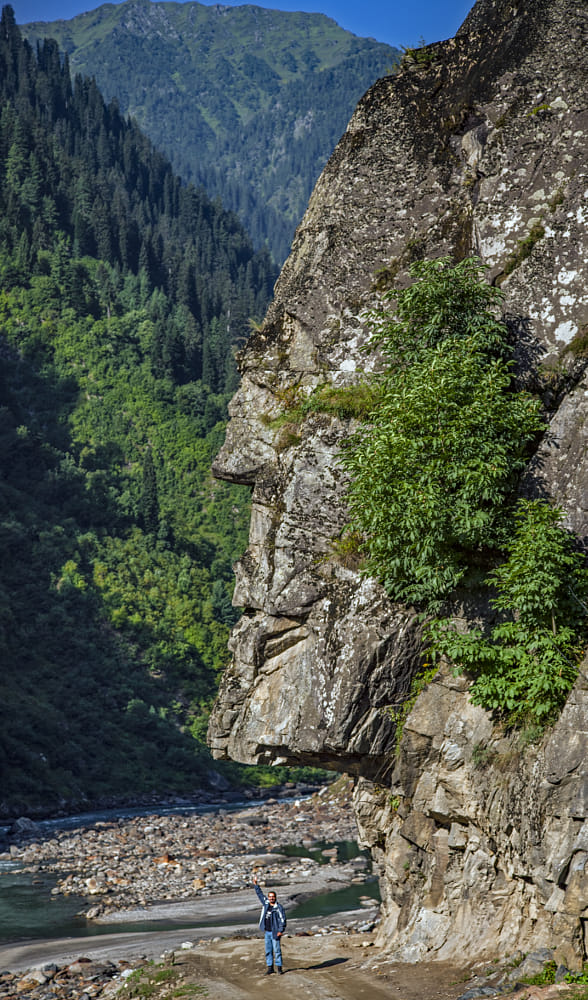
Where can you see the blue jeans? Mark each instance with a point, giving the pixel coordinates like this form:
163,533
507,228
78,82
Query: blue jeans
272,948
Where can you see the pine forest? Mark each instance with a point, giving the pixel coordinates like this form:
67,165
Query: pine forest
124,294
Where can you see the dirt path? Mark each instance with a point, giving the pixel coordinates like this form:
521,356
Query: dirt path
330,967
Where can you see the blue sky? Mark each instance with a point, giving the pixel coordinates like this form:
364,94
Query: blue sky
399,23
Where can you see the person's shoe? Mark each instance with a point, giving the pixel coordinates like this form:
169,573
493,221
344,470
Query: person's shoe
280,970
270,970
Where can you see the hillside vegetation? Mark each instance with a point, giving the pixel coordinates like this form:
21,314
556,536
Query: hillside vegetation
122,294
246,101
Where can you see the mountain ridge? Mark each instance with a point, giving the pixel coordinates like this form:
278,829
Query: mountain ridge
248,102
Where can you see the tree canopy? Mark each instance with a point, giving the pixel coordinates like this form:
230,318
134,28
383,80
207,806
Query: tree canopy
434,470
123,295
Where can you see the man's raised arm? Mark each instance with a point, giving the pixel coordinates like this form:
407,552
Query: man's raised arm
260,894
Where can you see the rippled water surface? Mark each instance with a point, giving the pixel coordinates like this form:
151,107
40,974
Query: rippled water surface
27,908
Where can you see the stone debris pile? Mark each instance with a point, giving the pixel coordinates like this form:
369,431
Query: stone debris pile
82,978
141,860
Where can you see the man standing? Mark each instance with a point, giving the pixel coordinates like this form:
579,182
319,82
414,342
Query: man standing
273,923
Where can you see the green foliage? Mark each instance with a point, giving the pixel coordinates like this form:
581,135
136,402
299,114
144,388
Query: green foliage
544,579
348,549
349,402
249,104
544,978
115,543
111,634
526,665
420,55
432,492
432,473
444,302
578,977
80,183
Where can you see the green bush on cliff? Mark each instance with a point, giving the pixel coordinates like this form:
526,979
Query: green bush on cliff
433,471
526,664
432,493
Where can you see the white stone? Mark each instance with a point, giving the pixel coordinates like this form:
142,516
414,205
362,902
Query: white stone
566,331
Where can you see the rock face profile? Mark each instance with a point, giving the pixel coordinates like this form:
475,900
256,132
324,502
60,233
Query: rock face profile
478,145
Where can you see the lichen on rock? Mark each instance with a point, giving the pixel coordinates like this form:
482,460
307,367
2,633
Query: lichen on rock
479,148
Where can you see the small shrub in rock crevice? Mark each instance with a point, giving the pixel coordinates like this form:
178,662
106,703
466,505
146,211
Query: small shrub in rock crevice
544,978
578,977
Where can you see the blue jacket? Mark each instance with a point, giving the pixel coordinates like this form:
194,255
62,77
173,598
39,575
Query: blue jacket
277,914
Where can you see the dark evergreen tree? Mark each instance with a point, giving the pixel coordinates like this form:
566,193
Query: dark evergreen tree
149,505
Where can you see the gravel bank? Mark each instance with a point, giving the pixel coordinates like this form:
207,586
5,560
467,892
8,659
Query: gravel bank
128,865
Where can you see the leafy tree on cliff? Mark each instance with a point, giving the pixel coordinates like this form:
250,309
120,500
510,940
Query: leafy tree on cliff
525,666
433,493
434,471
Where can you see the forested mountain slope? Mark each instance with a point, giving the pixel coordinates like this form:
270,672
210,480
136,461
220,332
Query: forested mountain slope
122,295
250,102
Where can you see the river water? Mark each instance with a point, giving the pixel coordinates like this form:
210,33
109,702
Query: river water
28,910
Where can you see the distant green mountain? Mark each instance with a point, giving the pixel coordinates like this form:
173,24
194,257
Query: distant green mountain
246,101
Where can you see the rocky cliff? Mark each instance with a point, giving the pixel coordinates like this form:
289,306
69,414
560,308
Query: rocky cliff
477,145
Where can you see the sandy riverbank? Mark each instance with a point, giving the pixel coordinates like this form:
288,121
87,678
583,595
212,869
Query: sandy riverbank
185,871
